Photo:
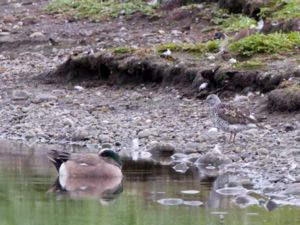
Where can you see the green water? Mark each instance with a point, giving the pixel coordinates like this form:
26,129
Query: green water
25,199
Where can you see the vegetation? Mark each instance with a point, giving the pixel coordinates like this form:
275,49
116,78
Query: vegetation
250,64
201,48
234,22
282,9
123,50
271,43
98,9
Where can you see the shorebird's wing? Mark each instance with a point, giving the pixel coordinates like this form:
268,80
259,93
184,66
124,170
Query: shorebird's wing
234,115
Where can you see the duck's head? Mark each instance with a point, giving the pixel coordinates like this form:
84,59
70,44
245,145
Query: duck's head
213,100
111,156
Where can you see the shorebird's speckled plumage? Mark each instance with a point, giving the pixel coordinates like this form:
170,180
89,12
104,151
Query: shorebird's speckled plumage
228,118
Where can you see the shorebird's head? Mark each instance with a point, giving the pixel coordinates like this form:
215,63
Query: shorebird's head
213,100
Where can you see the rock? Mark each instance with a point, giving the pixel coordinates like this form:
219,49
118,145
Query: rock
233,6
20,95
248,7
58,92
162,149
284,26
289,127
81,134
25,109
181,167
43,98
104,138
297,138
262,151
285,99
244,201
9,18
213,158
37,35
292,189
68,122
106,145
4,34
146,133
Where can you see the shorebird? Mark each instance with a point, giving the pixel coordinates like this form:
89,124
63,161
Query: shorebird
229,118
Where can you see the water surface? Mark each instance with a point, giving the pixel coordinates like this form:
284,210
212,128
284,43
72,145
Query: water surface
148,194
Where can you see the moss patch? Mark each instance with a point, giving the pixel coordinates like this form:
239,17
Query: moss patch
98,9
123,50
234,22
271,43
282,9
250,64
201,48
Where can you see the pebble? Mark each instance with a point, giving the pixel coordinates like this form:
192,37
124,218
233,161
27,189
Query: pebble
104,138
68,122
263,151
20,95
36,35
146,133
43,98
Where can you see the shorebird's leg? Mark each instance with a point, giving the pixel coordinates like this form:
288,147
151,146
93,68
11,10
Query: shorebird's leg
234,134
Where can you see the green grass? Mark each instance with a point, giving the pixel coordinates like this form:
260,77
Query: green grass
282,9
97,9
201,48
235,22
250,64
271,43
123,50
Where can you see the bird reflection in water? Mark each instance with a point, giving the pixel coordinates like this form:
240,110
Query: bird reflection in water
104,189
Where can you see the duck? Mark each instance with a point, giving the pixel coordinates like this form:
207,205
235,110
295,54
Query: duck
107,163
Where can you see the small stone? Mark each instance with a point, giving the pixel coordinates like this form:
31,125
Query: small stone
25,109
78,88
37,35
297,138
68,122
4,33
181,167
20,95
106,145
293,189
9,18
162,149
43,98
288,128
146,133
58,92
104,138
262,151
